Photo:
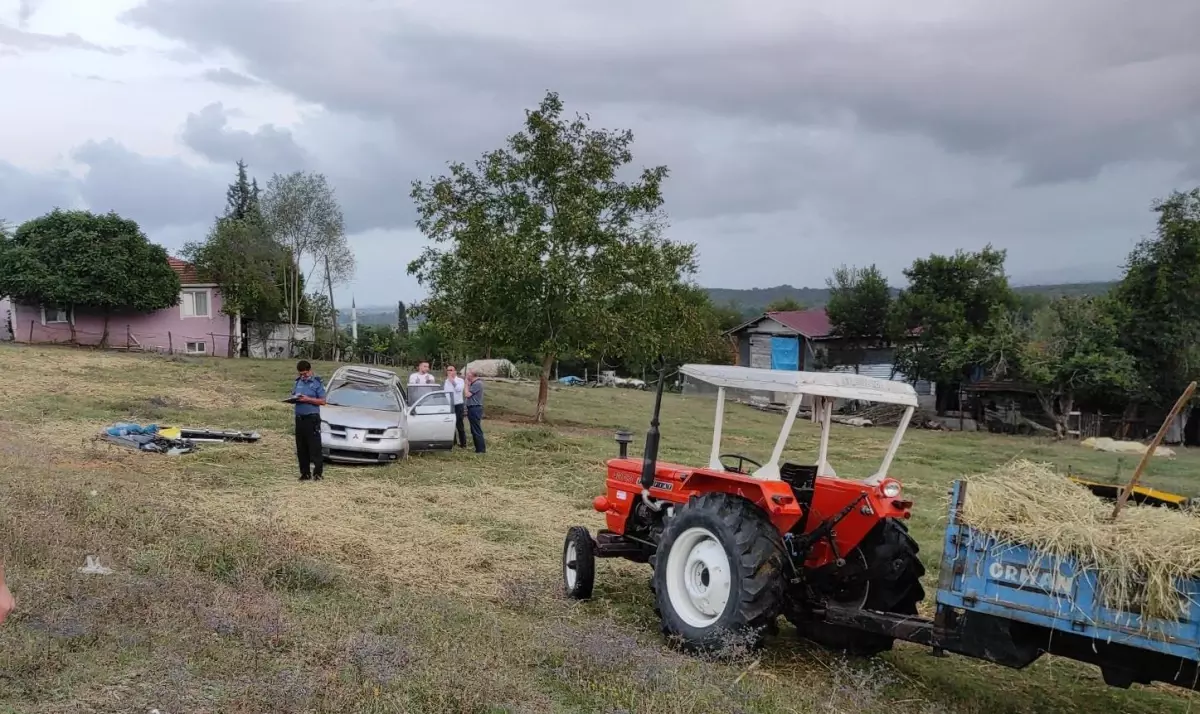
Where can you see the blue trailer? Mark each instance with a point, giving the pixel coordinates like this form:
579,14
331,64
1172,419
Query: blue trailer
1009,605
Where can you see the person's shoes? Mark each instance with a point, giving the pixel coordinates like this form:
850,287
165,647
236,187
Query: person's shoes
306,478
318,477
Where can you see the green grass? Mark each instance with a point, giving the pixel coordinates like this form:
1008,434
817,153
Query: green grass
426,586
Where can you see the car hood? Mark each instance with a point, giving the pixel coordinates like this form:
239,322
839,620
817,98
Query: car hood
356,418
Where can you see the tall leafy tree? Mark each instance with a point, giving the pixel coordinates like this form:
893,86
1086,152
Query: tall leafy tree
948,298
100,262
302,214
1074,352
1158,301
1068,351
859,310
539,243
251,269
401,318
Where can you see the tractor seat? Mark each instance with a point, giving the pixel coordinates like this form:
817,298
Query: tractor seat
799,477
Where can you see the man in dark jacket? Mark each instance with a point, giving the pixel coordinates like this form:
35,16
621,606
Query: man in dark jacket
474,401
309,394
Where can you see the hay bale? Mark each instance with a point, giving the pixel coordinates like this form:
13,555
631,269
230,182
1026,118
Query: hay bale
1139,559
495,368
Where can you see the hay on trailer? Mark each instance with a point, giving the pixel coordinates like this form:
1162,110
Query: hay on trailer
1139,559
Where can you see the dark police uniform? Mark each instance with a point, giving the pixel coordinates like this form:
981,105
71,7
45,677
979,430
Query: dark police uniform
308,427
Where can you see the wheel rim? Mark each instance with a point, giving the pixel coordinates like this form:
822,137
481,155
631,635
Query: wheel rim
570,568
699,578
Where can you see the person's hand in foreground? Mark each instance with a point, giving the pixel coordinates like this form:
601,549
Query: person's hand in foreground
6,599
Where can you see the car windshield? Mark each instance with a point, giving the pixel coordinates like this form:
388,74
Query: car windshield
363,396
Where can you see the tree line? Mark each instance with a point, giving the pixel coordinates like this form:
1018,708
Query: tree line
255,251
1134,347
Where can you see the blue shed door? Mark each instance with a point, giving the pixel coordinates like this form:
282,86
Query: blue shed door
785,353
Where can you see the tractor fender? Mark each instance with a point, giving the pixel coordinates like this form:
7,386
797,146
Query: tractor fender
774,497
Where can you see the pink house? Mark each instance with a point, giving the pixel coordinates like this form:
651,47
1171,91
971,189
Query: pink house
195,326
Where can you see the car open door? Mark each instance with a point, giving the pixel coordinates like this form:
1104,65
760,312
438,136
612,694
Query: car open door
431,422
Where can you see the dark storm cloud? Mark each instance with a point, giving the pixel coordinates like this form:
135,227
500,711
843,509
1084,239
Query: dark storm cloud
269,148
228,77
1062,88
26,194
155,192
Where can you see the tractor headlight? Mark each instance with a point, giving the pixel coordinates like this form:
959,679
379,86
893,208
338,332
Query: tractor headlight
393,433
890,489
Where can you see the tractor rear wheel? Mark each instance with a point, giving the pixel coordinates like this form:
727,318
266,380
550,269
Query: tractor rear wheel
718,574
893,585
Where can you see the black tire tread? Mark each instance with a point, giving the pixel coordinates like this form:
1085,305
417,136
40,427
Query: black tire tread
758,555
585,563
895,586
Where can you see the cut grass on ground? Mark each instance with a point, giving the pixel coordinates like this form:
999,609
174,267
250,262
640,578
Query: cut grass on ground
426,586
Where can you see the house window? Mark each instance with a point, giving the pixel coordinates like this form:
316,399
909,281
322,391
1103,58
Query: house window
54,315
194,303
197,348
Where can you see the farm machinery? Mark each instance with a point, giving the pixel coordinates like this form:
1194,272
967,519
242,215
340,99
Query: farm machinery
736,544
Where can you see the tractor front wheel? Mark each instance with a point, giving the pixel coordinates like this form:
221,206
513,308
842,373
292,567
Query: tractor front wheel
579,563
718,574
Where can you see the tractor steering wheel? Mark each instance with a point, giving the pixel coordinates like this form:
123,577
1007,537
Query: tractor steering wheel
741,461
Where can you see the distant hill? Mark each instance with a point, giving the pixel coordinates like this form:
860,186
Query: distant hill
755,300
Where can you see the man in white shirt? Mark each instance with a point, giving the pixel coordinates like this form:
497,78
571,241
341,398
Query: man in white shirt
421,376
455,385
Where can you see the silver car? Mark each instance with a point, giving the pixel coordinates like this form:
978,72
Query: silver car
368,417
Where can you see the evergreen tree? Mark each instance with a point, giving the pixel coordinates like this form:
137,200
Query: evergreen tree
241,199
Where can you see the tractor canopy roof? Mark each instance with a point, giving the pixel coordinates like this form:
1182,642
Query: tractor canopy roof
834,385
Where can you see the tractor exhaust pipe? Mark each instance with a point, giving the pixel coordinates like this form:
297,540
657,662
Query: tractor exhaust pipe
650,453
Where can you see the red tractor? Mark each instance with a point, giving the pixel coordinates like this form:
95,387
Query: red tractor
737,543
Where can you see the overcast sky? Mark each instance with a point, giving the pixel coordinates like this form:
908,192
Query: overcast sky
800,134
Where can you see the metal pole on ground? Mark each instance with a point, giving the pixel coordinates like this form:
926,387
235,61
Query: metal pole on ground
1162,432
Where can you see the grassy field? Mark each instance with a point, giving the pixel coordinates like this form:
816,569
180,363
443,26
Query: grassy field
427,586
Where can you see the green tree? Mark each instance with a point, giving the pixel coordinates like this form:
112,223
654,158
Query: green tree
948,298
1074,352
401,318
544,241
785,304
859,310
241,198
1158,301
301,213
251,269
729,315
1068,351
82,259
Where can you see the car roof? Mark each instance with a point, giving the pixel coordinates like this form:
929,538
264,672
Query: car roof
837,385
364,375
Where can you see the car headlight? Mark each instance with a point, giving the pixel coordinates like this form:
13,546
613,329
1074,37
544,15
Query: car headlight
391,433
890,488
324,425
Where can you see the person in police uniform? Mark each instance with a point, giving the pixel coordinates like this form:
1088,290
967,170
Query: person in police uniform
309,394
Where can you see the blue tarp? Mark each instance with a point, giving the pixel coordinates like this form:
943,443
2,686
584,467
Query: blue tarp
572,380
785,353
131,429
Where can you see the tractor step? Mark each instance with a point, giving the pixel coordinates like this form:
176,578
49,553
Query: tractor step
615,545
